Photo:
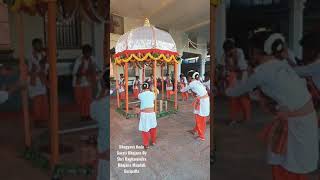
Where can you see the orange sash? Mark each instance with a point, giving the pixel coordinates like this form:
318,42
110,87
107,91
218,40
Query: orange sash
147,110
196,102
276,135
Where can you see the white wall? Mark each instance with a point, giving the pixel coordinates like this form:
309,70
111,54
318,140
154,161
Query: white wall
34,28
129,23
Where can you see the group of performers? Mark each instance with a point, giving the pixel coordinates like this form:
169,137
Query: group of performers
86,78
148,122
279,85
169,86
85,72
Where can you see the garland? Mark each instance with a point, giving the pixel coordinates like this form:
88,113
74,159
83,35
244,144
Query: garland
61,170
148,56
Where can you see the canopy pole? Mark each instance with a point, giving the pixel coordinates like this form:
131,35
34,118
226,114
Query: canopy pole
126,86
213,10
143,72
23,77
52,46
155,83
176,85
117,84
162,84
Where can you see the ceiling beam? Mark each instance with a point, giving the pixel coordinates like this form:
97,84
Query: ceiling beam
195,26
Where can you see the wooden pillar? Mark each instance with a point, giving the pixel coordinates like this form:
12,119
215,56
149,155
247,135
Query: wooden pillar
143,73
155,83
23,77
117,84
107,40
160,106
213,13
162,84
176,85
126,86
52,47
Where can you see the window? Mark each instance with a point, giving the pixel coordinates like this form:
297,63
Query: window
4,28
68,33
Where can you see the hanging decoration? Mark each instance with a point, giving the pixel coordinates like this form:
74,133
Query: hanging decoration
95,10
99,9
215,2
146,43
67,10
31,7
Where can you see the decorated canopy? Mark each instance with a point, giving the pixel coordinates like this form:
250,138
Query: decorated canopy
146,43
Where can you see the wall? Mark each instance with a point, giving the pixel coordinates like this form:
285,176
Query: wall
34,28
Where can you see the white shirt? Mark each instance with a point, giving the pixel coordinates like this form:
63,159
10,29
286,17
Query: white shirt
39,88
281,83
312,70
183,80
147,99
136,84
196,87
169,85
83,81
35,60
4,95
121,85
275,78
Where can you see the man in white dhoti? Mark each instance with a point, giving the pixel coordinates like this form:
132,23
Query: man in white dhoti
99,111
201,104
148,118
279,81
